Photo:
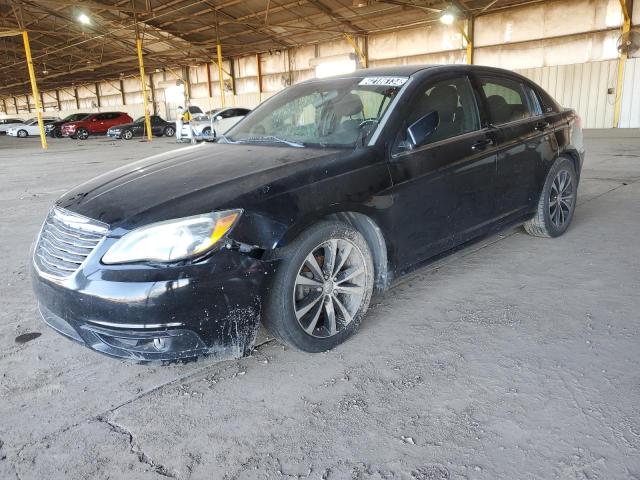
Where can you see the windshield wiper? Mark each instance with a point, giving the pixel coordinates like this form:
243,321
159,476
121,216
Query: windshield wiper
269,138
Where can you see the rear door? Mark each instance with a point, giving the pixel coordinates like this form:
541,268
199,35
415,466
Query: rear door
443,189
157,125
523,140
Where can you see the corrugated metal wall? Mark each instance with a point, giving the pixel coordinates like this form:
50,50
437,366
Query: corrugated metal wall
583,87
630,112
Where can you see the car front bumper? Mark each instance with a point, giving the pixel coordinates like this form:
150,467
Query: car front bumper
114,134
160,314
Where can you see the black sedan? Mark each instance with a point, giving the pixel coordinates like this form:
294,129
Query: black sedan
317,200
159,127
54,129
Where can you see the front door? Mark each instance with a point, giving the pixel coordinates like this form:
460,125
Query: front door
444,185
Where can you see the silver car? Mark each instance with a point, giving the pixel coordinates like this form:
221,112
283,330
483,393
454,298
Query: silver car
214,123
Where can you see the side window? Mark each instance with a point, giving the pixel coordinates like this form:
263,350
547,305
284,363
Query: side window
227,113
506,100
534,102
454,103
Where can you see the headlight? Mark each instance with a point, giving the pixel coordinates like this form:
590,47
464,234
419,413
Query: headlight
173,240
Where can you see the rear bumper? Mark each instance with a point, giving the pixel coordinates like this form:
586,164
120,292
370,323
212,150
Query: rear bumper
146,315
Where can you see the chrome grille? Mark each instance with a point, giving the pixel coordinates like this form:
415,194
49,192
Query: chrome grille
65,241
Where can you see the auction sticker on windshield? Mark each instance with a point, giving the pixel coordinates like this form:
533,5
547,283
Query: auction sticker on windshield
385,81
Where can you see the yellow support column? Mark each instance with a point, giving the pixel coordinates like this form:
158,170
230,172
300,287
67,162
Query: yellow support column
362,57
34,88
467,35
143,84
220,77
622,60
469,39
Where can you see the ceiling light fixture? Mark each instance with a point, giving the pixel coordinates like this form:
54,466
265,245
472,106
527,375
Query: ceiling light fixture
447,18
84,19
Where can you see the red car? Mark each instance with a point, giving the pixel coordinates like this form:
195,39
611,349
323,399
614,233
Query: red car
98,123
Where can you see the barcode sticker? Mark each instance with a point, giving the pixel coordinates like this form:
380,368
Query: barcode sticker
384,81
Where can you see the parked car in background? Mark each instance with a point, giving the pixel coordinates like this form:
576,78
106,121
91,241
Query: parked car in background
7,123
159,127
322,196
30,127
215,122
94,124
54,129
195,111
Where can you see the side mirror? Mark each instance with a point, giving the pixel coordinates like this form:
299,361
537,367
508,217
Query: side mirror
419,131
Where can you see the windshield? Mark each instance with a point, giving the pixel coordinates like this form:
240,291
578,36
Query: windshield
326,113
75,117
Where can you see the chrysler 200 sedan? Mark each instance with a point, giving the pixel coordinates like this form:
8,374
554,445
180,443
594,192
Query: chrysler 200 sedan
319,198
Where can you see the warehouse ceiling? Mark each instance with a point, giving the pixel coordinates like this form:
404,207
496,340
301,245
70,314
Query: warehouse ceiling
179,32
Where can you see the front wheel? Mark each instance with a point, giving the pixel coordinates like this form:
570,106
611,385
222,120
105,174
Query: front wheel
169,131
82,134
127,134
557,202
23,133
322,288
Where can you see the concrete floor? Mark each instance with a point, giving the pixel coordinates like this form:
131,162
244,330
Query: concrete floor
514,359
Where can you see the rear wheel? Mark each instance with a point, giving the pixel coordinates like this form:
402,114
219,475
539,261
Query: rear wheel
322,288
127,134
557,202
57,133
82,134
23,133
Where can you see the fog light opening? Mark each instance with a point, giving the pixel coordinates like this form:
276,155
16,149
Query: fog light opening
160,344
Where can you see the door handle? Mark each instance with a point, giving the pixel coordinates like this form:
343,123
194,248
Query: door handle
541,126
482,144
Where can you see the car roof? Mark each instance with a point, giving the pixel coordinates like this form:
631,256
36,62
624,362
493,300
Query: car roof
411,70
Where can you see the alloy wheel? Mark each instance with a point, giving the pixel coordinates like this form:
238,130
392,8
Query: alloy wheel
329,288
22,133
169,132
127,135
561,198
83,134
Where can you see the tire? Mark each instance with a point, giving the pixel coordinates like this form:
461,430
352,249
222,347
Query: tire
57,133
206,132
127,134
315,301
169,131
82,134
23,133
555,210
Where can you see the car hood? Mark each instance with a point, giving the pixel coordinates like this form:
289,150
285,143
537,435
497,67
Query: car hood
190,181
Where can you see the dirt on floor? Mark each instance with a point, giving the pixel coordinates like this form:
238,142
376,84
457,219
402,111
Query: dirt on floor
516,358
